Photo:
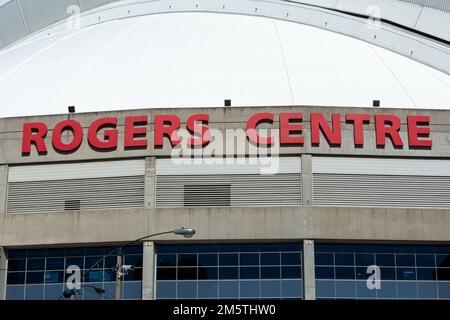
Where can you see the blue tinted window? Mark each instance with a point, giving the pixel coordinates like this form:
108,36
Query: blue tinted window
132,290
364,259
345,272
16,278
36,253
208,289
250,289
249,272
425,260
346,289
405,260
187,273
55,264
324,259
324,273
270,258
228,289
228,259
228,273
291,272
249,259
94,262
187,289
166,290
270,272
388,274
290,259
426,274
291,289
207,273
406,274
443,274
207,259
443,261
34,277
270,289
133,260
75,262
54,277
187,260
36,264
344,259
16,264
35,292
167,260
385,260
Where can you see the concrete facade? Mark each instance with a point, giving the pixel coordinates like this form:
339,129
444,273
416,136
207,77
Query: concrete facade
269,224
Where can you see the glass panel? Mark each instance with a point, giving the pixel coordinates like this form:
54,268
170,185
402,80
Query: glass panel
207,259
90,294
54,277
228,289
324,273
270,289
443,261
94,262
16,278
385,260
425,260
34,292
406,274
345,289
133,260
345,273
290,259
133,275
388,290
15,292
427,290
388,274
407,290
16,264
55,264
444,290
443,274
187,290
94,276
270,259
324,259
405,260
291,289
207,273
249,272
426,274
270,272
228,259
291,272
249,259
166,260
208,289
344,259
36,264
166,274
325,289
365,259
166,290
36,253
187,273
363,292
53,292
75,262
187,260
228,273
35,277
250,289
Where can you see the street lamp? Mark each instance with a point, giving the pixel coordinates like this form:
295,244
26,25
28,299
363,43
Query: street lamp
69,293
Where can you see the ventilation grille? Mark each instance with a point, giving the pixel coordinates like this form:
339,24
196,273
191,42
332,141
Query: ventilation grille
228,190
384,191
77,194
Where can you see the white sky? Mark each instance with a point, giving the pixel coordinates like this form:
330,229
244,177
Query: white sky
198,59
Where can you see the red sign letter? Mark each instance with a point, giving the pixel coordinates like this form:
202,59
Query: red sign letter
358,121
132,132
251,128
392,130
162,130
286,128
34,133
319,123
77,131
109,136
201,133
414,132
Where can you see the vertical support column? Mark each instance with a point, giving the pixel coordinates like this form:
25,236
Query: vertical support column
3,188
150,183
307,181
309,277
148,271
3,273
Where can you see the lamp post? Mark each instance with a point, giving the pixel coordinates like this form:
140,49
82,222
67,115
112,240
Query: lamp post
185,232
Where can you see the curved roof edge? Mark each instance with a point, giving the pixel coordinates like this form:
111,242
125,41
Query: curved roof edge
416,29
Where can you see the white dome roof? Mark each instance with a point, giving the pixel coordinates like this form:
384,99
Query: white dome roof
200,59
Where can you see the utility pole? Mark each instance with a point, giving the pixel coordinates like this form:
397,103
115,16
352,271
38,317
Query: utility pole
119,268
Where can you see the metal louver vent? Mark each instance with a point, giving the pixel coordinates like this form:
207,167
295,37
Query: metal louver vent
382,183
56,188
225,185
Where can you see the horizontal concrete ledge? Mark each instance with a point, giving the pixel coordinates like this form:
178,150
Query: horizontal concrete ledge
228,224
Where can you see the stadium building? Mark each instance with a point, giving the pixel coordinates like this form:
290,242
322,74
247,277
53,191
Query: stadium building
325,175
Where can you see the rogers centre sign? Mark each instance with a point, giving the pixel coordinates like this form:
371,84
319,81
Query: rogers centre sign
102,134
